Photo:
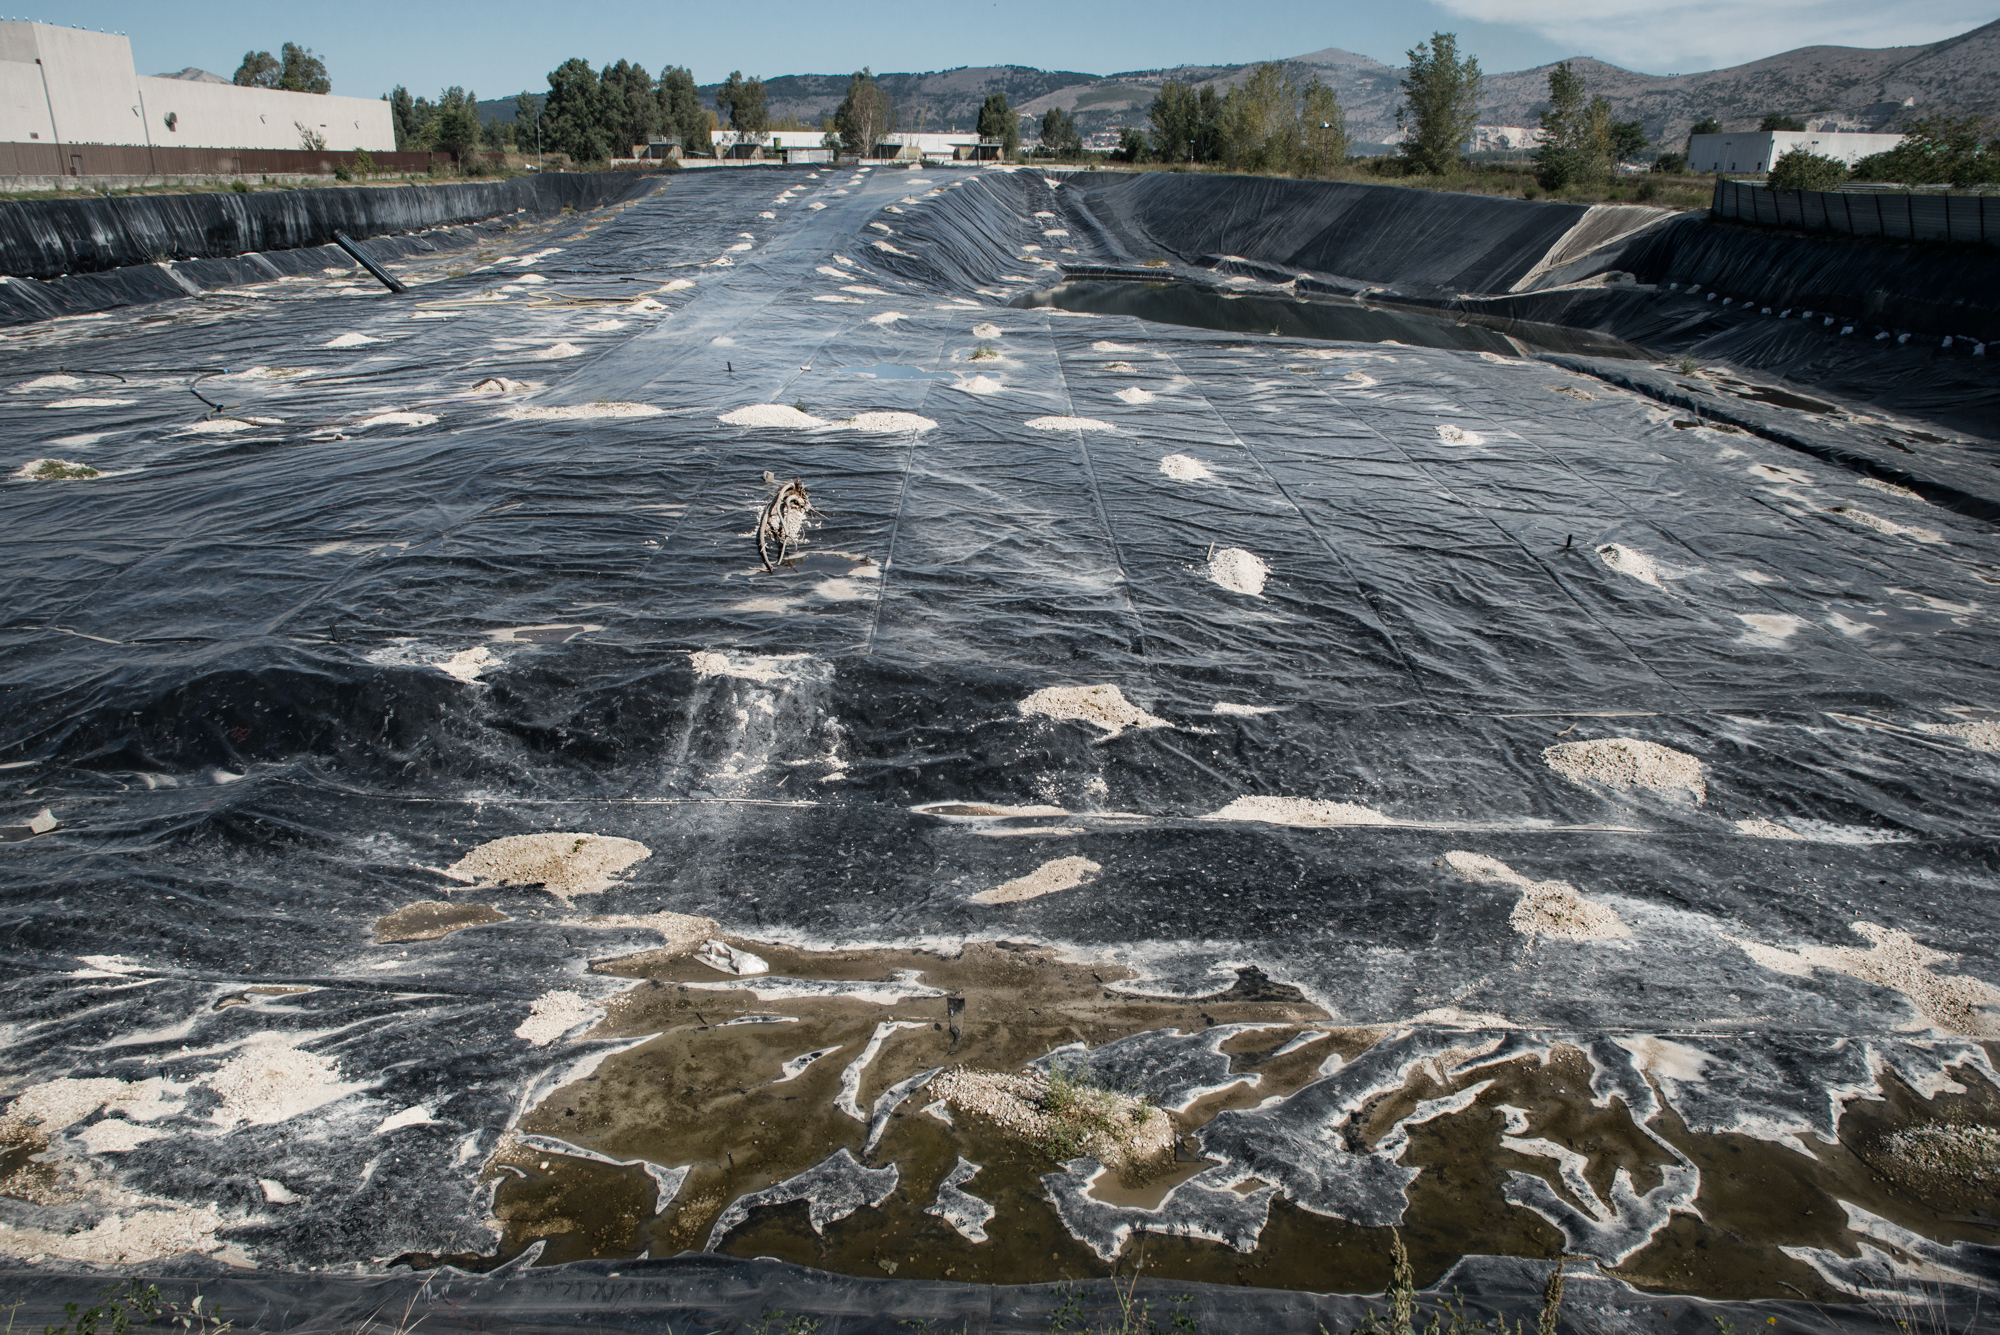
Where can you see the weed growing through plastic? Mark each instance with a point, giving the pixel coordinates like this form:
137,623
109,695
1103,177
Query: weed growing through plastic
1079,1110
55,470
1687,365
984,353
122,1306
1451,1317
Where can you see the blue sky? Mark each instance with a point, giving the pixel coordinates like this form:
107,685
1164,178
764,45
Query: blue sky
503,46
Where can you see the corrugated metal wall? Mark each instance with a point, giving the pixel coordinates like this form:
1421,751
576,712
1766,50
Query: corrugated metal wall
1903,217
134,160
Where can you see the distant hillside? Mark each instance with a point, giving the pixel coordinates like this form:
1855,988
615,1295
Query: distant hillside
1836,86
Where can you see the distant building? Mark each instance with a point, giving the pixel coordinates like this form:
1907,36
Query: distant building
64,86
1755,150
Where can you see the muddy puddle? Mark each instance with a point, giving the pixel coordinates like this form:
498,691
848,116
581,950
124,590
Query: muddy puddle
793,1114
1331,318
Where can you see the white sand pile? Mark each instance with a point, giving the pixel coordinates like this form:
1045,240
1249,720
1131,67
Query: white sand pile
1757,827
1238,571
980,384
1047,879
719,955
56,1104
1453,435
708,663
112,1136
1770,629
1134,395
553,1014
498,384
395,419
350,341
1627,762
604,326
641,306
888,424
777,416
1981,734
218,426
271,1080
1547,908
562,863
556,352
837,299
1022,1104
72,381
1927,536
677,285
1636,565
892,248
88,403
680,933
1954,1003
1364,380
987,330
122,1239
1889,489
1304,812
582,412
886,317
467,664
1105,345
1230,707
861,289
1069,424
1105,706
1185,468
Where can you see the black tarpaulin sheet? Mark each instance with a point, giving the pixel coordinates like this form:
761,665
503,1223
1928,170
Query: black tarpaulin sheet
278,664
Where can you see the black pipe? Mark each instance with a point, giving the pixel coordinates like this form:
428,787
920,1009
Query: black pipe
361,257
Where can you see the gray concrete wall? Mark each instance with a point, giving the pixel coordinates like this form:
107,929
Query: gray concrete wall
85,90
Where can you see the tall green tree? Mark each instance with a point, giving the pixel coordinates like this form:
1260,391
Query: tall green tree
864,115
258,70
1576,142
455,127
300,71
1939,150
726,98
403,115
1440,104
681,113
742,104
573,116
1260,119
527,120
1323,143
1781,122
1706,125
631,105
1059,133
998,121
1628,138
1175,116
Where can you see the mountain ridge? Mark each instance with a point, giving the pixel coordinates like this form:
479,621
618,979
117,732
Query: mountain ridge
1847,88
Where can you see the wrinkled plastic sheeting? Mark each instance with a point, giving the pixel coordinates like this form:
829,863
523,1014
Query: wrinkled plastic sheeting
47,238
223,666
718,1293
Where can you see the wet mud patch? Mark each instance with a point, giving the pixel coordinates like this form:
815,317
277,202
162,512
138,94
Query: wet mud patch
429,919
820,1114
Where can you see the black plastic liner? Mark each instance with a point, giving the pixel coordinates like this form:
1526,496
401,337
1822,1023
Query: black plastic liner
53,237
288,656
728,1296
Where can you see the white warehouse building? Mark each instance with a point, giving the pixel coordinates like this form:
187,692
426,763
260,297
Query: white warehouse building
1756,150
63,86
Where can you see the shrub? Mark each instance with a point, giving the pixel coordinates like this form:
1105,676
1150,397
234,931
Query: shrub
240,186
1671,164
1802,169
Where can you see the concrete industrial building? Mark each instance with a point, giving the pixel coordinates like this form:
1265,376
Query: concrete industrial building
1756,150
66,86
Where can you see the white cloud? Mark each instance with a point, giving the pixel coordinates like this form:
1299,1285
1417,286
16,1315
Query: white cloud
1687,36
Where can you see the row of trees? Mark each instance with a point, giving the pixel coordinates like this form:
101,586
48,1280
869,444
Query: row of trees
295,69
1269,123
1939,150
